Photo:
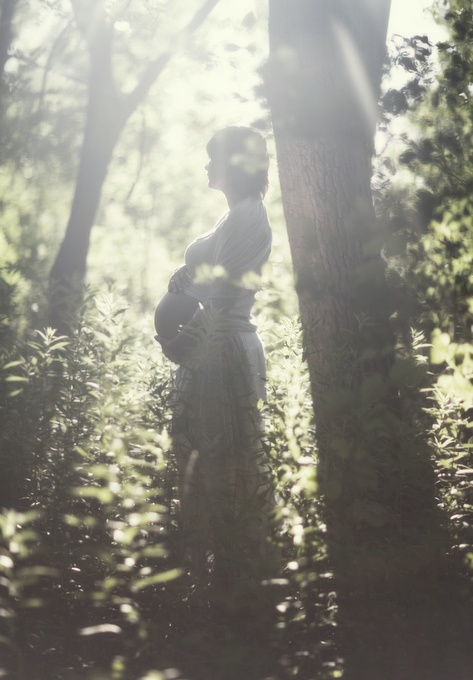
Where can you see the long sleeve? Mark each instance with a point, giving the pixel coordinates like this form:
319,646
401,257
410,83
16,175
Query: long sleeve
243,246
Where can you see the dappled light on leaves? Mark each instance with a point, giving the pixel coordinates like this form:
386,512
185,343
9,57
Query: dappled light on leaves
92,584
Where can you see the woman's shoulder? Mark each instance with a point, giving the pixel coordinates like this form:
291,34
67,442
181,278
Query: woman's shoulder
250,213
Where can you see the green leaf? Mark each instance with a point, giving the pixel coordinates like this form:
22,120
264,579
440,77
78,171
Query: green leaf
101,494
12,364
440,347
155,579
101,628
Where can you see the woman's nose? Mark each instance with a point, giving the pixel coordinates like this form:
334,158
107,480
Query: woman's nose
206,166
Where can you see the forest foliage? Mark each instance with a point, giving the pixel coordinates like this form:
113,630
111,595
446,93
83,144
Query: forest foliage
90,586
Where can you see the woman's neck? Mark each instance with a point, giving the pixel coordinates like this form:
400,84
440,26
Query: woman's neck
233,199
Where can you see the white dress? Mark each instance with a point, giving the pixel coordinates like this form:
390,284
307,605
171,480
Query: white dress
239,245
225,488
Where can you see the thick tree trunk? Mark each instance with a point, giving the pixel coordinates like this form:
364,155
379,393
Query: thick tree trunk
327,202
375,474
323,81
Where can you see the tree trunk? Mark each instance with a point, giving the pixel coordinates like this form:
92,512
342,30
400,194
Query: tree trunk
383,527
102,129
325,183
104,122
6,33
107,114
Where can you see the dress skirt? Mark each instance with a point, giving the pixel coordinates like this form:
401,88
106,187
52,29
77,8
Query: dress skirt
224,477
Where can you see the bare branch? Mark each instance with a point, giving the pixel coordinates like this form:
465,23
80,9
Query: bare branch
142,152
154,69
47,66
122,12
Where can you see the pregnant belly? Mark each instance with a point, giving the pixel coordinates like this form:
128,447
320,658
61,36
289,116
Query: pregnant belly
173,311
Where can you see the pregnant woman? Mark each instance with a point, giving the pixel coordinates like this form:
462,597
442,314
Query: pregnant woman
203,324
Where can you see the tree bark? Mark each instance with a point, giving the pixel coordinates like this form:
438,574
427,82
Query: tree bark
322,82
325,185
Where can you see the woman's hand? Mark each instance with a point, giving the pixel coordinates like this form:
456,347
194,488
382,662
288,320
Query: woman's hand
178,348
170,351
179,280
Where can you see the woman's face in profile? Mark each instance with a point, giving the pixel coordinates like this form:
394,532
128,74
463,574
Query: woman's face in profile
216,170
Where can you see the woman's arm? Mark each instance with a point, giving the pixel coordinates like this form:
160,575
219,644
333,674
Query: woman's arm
243,245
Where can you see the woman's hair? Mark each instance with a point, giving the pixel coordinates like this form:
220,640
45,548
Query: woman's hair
245,155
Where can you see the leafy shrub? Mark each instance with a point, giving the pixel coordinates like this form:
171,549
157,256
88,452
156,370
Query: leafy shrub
80,450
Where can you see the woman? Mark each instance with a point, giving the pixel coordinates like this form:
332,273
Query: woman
203,324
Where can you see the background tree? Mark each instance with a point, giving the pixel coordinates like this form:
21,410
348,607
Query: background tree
154,208
383,528
108,109
428,221
90,460
424,180
7,12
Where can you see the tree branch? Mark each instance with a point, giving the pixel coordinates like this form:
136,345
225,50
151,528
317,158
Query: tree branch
122,12
91,20
155,68
47,66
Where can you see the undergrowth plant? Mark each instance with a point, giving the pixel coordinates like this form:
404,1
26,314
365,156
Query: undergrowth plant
79,452
91,587
307,608
85,444
450,409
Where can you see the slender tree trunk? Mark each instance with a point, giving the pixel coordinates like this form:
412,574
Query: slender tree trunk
104,123
107,114
384,534
7,12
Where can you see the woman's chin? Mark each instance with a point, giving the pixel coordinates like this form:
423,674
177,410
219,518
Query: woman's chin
215,184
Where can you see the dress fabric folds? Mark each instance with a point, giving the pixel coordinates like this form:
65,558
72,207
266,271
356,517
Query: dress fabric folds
224,476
